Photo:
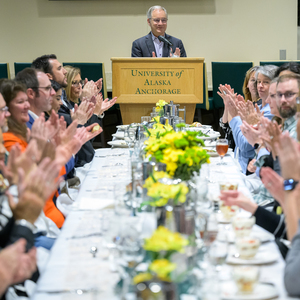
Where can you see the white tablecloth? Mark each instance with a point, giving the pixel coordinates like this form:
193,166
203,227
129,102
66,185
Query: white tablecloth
71,265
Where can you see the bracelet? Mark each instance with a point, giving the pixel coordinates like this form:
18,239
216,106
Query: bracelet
25,223
101,116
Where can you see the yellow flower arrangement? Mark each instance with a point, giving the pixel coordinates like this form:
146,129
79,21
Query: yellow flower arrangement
160,104
142,277
165,240
161,244
162,268
180,151
161,193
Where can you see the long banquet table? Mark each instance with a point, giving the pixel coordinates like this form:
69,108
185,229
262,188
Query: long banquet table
71,265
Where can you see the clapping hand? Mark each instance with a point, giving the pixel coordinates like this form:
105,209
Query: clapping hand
270,135
34,189
251,134
83,112
273,183
289,156
15,264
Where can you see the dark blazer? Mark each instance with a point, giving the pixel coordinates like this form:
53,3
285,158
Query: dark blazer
143,47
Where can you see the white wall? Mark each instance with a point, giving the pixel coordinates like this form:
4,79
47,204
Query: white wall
90,31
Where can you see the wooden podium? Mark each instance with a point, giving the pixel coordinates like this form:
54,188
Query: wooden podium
140,82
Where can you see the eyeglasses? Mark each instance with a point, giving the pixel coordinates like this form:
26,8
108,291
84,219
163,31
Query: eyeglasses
77,83
164,21
287,95
4,109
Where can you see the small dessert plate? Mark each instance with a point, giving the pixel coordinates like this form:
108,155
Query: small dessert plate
118,143
261,258
261,291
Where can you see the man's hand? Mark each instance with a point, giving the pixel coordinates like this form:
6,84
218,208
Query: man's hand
15,264
289,156
270,135
34,190
153,54
176,53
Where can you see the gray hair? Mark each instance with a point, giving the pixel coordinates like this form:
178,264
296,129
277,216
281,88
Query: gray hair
266,70
274,80
151,9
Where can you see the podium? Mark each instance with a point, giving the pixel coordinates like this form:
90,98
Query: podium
140,82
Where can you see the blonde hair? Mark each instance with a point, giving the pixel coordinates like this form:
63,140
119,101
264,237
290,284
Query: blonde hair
246,90
72,73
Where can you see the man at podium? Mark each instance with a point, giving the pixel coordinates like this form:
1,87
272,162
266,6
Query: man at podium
157,43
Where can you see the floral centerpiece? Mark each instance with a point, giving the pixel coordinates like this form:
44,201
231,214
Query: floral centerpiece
160,247
160,193
160,105
182,152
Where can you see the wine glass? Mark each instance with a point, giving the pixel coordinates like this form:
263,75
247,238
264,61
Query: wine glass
222,148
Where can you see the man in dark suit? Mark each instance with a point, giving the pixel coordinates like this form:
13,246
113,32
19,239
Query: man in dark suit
150,45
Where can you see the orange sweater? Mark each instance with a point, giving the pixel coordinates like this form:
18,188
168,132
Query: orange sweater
50,210
10,139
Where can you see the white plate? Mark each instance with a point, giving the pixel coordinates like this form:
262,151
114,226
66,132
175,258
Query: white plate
119,135
212,154
261,291
118,143
262,236
209,143
122,127
222,220
211,136
261,257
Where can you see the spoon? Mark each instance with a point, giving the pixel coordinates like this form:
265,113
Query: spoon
93,250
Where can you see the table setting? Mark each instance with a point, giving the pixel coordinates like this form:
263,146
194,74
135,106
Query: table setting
148,224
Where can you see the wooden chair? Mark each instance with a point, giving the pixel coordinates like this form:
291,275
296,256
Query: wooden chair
4,70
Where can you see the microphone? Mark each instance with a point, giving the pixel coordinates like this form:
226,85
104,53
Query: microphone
163,39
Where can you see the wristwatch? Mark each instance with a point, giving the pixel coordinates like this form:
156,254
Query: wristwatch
289,184
25,223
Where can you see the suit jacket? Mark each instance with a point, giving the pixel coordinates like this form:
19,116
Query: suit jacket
143,47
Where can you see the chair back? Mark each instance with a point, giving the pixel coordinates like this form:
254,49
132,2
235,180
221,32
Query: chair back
4,70
277,63
21,66
91,71
232,73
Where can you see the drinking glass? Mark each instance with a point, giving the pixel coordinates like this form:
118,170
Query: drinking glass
146,119
129,138
122,199
222,148
218,250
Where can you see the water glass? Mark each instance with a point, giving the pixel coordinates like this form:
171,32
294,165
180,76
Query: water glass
218,250
122,199
146,119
